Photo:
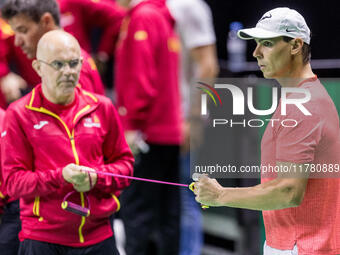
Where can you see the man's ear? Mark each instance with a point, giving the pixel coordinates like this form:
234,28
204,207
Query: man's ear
47,21
296,46
36,66
81,62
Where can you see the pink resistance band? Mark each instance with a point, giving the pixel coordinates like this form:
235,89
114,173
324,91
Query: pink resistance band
83,211
136,178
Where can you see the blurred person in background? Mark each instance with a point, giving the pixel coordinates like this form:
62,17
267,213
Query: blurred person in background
80,17
9,222
148,102
11,83
198,63
95,24
9,208
29,20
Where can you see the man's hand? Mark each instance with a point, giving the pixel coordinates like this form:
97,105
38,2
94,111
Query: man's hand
11,85
82,180
89,182
72,173
208,191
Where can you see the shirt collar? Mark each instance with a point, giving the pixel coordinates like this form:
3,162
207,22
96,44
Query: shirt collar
133,3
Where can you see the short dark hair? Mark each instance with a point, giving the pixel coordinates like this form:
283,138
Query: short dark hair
306,50
32,8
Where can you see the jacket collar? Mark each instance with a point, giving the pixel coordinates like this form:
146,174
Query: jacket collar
36,98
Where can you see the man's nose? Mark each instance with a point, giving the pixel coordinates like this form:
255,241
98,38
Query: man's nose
257,53
18,41
68,70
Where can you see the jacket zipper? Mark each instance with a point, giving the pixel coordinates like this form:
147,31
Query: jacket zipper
36,208
115,198
75,154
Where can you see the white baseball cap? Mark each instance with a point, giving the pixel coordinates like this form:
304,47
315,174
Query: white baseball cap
278,22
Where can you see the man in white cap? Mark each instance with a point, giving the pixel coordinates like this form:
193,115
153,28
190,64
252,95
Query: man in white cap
301,214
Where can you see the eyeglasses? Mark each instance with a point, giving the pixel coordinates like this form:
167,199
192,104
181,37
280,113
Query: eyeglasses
59,64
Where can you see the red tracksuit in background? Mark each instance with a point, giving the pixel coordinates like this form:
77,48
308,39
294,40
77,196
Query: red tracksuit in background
3,192
5,32
79,17
3,50
148,100
148,97
89,78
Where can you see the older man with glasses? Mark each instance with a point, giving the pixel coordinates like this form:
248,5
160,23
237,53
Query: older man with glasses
55,135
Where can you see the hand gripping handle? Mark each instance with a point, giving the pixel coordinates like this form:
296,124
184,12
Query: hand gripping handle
192,188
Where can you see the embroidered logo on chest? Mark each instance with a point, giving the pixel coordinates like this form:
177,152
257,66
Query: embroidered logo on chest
41,124
92,122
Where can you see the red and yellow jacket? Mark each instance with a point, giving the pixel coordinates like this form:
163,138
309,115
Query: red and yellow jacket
80,17
3,192
146,75
5,32
37,144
